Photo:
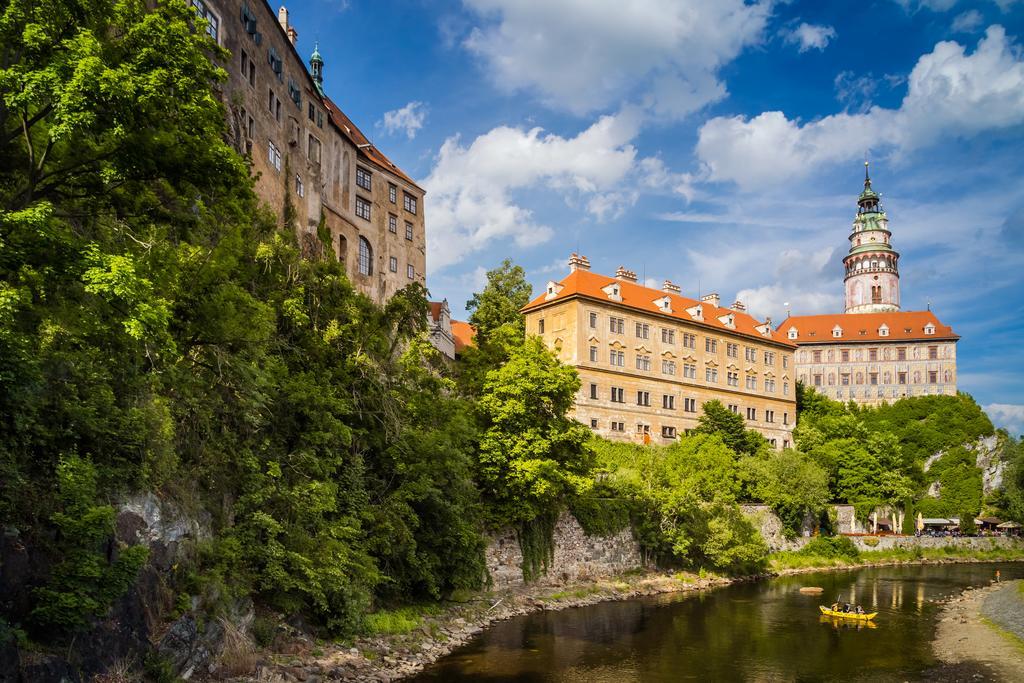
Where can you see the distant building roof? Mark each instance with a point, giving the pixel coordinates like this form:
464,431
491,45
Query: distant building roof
585,283
463,333
843,328
435,309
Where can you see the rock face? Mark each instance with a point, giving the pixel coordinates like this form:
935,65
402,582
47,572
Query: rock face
577,556
770,526
988,452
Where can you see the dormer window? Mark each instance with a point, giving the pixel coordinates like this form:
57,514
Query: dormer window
837,331
728,320
553,289
929,329
613,291
792,333
696,312
883,331
664,304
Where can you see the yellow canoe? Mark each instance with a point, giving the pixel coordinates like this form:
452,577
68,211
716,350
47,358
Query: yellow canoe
847,615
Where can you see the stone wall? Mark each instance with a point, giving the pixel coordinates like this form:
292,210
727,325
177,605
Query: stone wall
577,556
770,526
909,542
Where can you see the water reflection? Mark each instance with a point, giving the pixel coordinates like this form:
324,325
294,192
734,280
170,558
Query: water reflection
765,631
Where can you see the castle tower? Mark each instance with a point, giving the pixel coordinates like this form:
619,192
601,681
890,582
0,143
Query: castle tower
872,275
316,66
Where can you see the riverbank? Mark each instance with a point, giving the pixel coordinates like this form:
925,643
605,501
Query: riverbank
410,639
985,626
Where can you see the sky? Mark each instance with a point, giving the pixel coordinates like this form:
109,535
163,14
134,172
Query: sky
716,143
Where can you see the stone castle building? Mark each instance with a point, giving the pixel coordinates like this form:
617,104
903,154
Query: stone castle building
875,351
345,194
649,359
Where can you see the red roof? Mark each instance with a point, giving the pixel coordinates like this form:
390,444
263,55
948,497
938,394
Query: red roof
902,326
365,147
587,284
435,310
463,333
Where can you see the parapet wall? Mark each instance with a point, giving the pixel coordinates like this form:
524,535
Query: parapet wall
577,556
910,542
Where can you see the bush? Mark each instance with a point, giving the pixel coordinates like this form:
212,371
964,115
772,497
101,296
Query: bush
831,546
871,541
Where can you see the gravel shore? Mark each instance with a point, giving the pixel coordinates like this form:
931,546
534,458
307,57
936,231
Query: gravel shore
984,627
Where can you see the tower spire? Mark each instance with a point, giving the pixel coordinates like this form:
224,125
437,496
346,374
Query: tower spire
316,64
872,271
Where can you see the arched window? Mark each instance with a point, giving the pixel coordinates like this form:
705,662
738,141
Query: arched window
365,257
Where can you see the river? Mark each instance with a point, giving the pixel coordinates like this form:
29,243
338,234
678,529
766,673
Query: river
760,631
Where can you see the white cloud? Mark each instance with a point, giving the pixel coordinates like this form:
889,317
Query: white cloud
933,5
809,36
586,55
854,91
469,189
409,119
1008,416
949,94
967,22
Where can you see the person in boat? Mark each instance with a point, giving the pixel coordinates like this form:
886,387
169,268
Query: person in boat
860,610
846,607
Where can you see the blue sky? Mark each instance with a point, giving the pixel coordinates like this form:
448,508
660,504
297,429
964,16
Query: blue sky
716,143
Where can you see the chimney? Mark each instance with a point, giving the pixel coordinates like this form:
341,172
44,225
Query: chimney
577,262
712,299
622,274
738,306
282,17
670,288
293,35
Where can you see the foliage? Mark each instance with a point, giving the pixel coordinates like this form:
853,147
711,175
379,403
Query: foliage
506,292
537,544
909,518
792,484
85,582
717,419
960,483
600,511
531,456
831,547
399,620
1013,477
967,524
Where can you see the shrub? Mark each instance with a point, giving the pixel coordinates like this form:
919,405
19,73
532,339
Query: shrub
831,546
871,541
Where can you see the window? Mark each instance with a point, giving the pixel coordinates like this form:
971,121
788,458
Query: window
689,340
392,193
274,155
618,395
362,208
844,355
593,391
410,202
733,408
817,356
593,320
872,354
593,423
668,336
785,361
365,257
393,264
363,178
617,325
618,426
711,345
873,378
540,326
668,402
690,370
248,69
312,112
769,358
690,405
773,442
593,354
769,416
274,105
751,413
750,354
643,362
751,382
844,379
668,432
643,331
617,358
392,223
410,271
248,127
901,377
643,429
300,188
313,150
785,443
901,353
785,421
643,398
732,350
817,380
668,367
212,21
933,376
732,379
933,353
769,385
711,374
408,231
785,388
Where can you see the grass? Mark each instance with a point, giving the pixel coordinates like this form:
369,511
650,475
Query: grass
1012,638
798,560
393,622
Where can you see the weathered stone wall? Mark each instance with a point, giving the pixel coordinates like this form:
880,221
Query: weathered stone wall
909,542
770,526
576,555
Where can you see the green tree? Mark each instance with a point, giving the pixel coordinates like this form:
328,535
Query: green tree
717,419
531,456
792,484
500,302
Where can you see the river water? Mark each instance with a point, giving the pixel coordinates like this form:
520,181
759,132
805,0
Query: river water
762,631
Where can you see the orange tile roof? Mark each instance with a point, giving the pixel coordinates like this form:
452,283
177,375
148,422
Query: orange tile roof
435,309
463,333
362,143
588,284
903,326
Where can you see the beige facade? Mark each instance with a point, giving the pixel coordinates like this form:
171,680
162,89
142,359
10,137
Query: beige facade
304,150
877,372
650,371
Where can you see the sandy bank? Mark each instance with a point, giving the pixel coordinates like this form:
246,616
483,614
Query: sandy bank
984,626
